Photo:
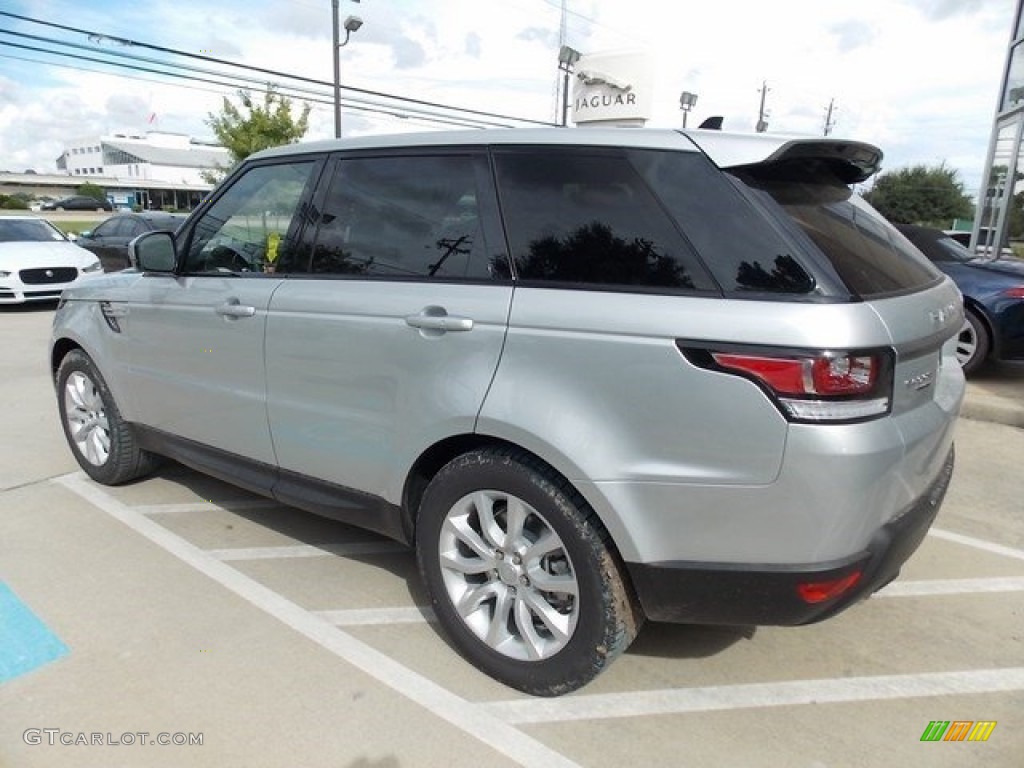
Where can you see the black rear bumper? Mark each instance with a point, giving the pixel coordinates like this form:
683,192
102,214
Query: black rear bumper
750,594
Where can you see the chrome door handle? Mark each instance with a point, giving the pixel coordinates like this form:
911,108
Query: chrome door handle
234,309
437,322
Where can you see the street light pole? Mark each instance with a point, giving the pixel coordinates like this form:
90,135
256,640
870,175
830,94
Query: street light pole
567,58
352,23
687,101
337,71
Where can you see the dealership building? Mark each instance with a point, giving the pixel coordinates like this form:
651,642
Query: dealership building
153,170
1004,168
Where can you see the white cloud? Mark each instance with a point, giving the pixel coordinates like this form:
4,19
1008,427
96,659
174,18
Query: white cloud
918,77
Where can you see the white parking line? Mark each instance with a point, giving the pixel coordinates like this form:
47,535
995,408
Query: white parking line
208,506
367,616
350,549
970,541
930,587
463,714
784,693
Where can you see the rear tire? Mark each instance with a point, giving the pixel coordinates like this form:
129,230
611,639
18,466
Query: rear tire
102,442
521,573
973,343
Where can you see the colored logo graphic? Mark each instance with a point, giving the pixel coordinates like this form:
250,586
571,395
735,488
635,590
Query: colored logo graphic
958,730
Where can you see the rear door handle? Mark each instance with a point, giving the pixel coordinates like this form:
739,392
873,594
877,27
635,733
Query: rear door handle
437,319
234,309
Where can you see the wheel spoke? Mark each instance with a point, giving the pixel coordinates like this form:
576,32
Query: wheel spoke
484,505
473,598
76,391
459,527
532,641
556,623
563,583
497,630
515,518
470,566
545,545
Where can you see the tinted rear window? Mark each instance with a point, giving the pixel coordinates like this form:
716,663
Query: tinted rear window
748,252
868,254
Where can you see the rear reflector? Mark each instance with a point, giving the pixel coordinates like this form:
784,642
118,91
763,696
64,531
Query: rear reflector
813,592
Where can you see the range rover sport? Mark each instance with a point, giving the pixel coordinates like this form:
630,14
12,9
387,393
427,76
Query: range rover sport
592,376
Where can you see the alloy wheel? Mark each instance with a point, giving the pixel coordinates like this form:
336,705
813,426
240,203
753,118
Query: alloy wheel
508,575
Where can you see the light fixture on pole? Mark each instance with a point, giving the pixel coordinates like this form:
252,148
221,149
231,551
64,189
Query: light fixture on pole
567,58
687,101
352,24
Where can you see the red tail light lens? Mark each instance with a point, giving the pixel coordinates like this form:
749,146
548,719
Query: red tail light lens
1017,292
812,386
843,375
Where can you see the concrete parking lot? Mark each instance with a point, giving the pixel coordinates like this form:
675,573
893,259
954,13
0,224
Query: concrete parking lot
179,609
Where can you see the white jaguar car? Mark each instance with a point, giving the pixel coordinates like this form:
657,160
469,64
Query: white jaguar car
37,262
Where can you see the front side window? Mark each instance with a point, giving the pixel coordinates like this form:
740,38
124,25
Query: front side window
403,217
254,224
585,217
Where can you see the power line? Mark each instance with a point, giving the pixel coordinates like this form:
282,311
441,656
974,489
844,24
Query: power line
291,90
275,73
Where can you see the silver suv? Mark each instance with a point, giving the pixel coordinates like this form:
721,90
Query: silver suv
592,376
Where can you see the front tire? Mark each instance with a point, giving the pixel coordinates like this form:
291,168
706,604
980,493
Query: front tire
521,573
101,441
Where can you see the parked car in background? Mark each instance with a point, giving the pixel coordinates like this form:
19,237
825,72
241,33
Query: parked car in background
993,291
592,376
37,262
109,240
78,203
984,236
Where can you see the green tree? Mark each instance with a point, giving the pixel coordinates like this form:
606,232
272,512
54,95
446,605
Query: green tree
88,189
251,126
921,194
13,203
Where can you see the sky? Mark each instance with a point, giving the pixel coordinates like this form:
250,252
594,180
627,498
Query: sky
918,78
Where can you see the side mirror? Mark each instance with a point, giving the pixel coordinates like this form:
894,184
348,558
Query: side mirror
153,252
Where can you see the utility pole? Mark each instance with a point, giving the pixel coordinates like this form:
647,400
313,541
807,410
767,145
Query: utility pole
562,89
829,122
762,115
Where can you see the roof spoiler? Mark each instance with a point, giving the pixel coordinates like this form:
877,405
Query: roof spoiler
851,161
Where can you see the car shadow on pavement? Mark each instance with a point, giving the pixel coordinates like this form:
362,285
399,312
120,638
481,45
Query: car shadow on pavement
687,641
669,641
29,307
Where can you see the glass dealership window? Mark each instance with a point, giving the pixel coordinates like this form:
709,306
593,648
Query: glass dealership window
1013,95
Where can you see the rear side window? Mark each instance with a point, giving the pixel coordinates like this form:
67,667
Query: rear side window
403,217
867,252
583,216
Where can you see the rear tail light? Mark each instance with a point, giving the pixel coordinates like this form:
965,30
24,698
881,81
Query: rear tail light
1017,292
820,386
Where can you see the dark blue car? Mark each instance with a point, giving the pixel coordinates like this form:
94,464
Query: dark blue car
993,292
